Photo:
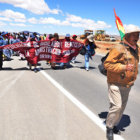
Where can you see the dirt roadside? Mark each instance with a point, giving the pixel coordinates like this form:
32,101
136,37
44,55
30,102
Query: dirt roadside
105,47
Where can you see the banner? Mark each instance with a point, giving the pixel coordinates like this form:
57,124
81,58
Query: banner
53,51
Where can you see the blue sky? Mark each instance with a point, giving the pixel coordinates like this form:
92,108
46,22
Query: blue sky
63,16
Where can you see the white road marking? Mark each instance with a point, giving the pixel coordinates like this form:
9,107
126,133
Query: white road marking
82,107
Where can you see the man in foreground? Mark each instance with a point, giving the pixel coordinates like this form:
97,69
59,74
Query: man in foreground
122,69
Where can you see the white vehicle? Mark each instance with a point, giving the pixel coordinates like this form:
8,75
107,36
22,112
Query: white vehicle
112,38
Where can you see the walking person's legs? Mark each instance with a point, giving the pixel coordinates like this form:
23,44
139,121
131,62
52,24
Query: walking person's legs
1,59
118,97
124,94
87,62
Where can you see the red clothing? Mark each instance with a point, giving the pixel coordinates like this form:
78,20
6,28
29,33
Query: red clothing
32,59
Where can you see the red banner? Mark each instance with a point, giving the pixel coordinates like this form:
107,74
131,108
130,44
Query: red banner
54,51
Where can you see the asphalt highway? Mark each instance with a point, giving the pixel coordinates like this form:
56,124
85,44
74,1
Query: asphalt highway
32,108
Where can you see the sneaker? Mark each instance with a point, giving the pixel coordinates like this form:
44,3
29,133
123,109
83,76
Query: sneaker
87,69
116,130
73,61
35,70
53,67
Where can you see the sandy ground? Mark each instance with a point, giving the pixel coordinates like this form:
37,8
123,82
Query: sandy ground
104,47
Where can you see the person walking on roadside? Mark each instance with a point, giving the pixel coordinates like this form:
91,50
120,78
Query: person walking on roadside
55,40
6,52
74,38
67,45
1,52
90,50
45,37
32,58
122,69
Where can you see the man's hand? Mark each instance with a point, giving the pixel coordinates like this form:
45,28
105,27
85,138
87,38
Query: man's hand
130,67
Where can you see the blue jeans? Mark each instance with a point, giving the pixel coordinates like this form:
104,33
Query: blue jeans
87,56
7,53
61,64
64,64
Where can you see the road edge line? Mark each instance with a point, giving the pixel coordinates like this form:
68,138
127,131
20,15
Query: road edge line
81,106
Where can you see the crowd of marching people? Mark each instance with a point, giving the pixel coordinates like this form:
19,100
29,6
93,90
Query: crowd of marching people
11,38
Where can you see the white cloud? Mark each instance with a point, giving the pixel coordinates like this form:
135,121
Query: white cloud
65,23
2,23
70,20
102,24
20,20
73,18
18,24
5,19
33,20
50,20
77,21
9,15
35,6
131,27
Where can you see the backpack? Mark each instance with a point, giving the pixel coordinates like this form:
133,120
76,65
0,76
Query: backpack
83,51
92,49
101,66
104,58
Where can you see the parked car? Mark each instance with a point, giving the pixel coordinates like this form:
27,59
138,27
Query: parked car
112,38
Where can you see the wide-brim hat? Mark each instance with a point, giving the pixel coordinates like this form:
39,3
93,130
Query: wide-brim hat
131,29
90,38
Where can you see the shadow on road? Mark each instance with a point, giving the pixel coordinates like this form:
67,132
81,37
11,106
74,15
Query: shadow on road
125,121
11,69
57,67
89,67
77,62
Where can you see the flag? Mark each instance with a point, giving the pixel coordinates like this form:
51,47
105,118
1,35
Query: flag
119,25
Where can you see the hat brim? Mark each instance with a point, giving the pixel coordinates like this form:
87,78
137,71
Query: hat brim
132,32
90,40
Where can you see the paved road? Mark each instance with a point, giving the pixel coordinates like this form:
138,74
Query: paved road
31,108
90,88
